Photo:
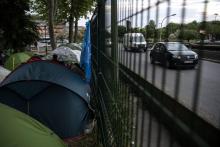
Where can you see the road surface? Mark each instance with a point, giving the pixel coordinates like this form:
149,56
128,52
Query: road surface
208,104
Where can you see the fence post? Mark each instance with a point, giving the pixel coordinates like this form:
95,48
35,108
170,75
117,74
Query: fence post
114,38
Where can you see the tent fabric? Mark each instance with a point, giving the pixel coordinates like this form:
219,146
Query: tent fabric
50,93
20,130
85,59
65,54
73,46
15,60
52,73
3,73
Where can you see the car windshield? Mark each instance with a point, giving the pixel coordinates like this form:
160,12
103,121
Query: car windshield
44,40
176,47
138,38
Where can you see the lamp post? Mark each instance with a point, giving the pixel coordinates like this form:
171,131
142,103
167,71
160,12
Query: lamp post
162,23
216,14
213,35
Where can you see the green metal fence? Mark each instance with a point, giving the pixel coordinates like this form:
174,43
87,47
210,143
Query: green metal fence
139,104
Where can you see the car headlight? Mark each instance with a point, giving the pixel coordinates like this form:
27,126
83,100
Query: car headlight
196,56
177,56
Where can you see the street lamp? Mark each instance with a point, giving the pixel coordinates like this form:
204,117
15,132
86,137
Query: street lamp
162,23
213,35
216,14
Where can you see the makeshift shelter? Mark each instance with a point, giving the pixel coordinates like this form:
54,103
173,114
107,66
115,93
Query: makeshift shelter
50,93
15,60
20,130
73,46
66,54
3,73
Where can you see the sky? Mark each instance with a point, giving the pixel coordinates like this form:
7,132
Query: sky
194,10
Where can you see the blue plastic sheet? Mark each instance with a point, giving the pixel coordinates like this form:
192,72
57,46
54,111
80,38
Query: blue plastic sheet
85,59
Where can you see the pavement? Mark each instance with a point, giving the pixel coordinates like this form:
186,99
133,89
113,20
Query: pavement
208,94
3,73
211,60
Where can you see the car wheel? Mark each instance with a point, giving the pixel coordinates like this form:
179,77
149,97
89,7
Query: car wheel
195,67
152,60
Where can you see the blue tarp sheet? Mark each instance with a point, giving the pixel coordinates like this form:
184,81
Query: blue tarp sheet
85,59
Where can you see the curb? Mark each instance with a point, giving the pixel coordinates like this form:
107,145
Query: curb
211,60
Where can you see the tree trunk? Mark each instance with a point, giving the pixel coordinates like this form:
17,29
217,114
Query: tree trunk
76,30
71,23
71,28
51,23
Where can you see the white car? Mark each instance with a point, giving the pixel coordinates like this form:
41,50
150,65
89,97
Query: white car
134,41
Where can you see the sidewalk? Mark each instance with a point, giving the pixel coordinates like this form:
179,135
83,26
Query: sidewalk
211,60
3,73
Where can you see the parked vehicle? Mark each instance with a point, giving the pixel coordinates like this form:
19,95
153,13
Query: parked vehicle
172,54
134,41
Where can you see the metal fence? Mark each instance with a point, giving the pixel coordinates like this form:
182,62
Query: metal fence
140,104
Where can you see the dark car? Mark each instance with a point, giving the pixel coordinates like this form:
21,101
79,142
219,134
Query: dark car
173,54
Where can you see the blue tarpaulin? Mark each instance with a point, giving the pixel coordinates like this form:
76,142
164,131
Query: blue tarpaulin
85,59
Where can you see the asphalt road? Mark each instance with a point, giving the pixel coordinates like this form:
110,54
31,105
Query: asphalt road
208,103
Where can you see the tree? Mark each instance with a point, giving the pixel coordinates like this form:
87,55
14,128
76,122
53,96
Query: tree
172,27
213,29
135,30
66,11
46,10
192,25
150,30
190,34
16,28
51,5
121,31
78,8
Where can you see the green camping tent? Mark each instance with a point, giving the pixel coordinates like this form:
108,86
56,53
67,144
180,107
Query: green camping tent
20,130
15,60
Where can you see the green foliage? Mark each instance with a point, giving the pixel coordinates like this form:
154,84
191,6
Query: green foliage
213,28
191,30
63,9
193,25
121,31
16,28
172,28
189,35
135,30
150,29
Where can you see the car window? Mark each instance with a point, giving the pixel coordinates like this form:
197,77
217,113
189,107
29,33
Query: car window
138,39
162,48
157,48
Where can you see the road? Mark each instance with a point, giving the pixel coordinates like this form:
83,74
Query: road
208,104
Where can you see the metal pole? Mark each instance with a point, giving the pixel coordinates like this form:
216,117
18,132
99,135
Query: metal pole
213,36
114,39
216,14
160,30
